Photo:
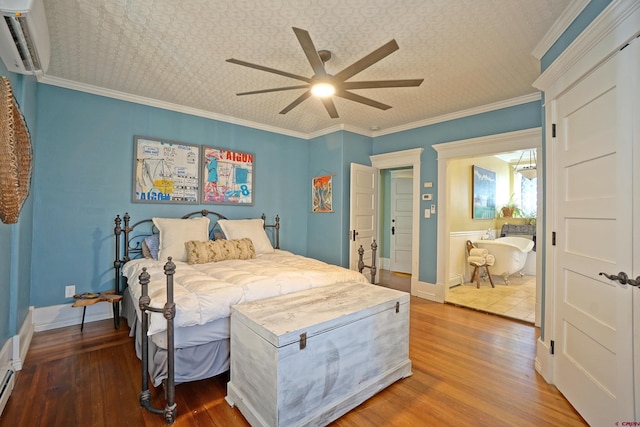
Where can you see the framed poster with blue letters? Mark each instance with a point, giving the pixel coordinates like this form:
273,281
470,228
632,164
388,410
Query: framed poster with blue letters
227,176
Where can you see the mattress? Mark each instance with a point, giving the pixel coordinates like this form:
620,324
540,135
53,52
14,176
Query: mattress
204,293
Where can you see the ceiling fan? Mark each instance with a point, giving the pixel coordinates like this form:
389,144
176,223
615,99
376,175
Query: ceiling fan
325,85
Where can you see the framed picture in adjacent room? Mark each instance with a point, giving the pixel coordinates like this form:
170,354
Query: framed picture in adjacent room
484,193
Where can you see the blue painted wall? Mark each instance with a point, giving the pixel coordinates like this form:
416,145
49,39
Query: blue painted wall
333,154
84,162
520,117
15,239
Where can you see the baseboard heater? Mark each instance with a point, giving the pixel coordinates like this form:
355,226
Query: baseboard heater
6,388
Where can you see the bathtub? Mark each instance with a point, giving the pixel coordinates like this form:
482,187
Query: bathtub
510,254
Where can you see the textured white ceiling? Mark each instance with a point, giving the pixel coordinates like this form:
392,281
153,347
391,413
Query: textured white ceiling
470,52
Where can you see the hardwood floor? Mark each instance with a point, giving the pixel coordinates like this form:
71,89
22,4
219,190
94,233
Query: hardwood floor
469,368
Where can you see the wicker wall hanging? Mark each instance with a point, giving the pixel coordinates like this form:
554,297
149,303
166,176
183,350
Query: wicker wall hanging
15,156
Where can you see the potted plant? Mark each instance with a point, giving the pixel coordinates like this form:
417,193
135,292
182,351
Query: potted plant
510,209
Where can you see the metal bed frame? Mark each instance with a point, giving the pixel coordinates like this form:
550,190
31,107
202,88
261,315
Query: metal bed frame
132,243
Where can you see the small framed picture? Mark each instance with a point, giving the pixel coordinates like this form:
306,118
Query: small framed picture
322,194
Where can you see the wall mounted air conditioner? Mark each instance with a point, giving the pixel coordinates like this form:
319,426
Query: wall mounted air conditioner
24,38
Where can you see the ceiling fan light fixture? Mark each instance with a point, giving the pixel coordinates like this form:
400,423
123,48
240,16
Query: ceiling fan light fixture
323,90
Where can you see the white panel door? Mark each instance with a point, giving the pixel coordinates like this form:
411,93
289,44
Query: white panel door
363,213
401,223
593,335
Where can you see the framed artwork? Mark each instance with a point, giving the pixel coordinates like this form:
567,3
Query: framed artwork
322,194
165,171
227,176
484,194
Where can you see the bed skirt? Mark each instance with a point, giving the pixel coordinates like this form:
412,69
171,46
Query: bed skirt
191,363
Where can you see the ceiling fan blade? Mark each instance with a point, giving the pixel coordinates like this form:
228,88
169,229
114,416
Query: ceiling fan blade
367,61
277,89
269,70
331,107
361,99
297,102
310,51
382,84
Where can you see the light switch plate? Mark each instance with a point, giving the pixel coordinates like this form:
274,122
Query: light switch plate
427,196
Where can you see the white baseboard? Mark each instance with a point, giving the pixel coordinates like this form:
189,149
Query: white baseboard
544,361
12,355
22,341
59,316
385,263
428,291
455,280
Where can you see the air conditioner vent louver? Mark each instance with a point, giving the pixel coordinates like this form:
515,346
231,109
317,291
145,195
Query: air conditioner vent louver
24,37
23,42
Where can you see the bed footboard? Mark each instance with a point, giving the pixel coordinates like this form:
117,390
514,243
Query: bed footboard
169,312
372,267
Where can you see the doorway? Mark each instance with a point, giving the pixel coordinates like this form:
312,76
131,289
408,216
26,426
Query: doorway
484,146
405,159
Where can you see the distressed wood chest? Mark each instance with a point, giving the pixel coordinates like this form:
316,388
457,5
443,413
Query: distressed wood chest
308,358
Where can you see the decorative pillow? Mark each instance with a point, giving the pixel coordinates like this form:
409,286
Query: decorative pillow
150,246
175,232
250,228
218,250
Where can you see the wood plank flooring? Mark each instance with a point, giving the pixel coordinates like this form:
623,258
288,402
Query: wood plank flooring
469,368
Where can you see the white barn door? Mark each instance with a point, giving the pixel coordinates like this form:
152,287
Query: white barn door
593,319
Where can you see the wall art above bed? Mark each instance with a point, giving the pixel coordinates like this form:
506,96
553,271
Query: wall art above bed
227,176
165,171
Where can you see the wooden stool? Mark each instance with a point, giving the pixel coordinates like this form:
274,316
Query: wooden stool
476,268
476,274
83,300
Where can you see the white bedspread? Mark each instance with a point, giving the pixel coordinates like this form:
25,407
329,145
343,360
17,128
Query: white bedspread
205,292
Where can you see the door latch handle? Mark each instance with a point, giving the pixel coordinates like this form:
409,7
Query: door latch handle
634,282
393,231
621,277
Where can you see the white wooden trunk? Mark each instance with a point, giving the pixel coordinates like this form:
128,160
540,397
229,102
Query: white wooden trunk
357,343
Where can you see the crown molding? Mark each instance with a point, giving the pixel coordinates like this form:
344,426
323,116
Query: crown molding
95,90
559,27
616,25
463,113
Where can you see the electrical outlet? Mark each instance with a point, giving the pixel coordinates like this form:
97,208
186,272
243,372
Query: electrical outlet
69,291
